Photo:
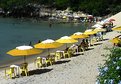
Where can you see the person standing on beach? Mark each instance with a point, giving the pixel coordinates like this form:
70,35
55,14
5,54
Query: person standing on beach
50,24
30,43
39,41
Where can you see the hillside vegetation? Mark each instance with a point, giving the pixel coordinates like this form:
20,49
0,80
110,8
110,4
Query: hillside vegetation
94,7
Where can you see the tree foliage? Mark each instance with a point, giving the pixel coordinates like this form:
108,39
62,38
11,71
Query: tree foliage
95,7
110,73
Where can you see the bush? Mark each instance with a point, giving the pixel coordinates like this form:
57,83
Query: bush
110,72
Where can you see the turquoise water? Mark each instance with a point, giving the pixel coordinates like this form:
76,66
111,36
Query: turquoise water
16,32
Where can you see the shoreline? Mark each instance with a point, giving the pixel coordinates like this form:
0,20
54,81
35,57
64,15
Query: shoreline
29,59
78,69
54,21
81,69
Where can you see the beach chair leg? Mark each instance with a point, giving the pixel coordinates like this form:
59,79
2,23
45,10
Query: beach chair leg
39,65
46,64
51,63
26,72
10,76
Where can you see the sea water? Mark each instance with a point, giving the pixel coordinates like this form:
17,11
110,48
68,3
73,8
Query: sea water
17,32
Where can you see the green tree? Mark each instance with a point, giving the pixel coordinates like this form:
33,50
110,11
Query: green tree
110,72
62,4
95,7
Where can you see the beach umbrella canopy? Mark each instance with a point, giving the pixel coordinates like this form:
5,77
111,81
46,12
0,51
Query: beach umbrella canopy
83,15
117,28
76,16
90,16
97,25
79,35
48,44
115,40
99,29
66,39
90,32
101,23
110,20
24,51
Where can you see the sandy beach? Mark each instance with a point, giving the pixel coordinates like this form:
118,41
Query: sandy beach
117,18
80,69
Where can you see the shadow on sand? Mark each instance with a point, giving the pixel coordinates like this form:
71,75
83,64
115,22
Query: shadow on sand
78,54
97,44
61,62
105,39
89,49
39,71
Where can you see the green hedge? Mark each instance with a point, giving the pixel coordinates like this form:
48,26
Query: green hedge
110,72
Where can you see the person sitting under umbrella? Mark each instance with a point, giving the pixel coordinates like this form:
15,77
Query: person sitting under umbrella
84,44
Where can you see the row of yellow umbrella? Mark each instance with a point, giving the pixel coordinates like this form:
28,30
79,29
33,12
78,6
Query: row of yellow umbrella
49,43
93,31
116,40
46,44
117,28
79,35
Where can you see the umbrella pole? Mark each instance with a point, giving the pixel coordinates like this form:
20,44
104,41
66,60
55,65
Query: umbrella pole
48,51
66,46
24,59
78,42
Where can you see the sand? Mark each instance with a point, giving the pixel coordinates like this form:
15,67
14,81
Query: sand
80,69
117,18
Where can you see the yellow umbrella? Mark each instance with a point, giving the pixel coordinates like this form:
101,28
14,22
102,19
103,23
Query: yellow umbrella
66,39
115,40
99,30
117,28
47,44
90,32
24,51
78,35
